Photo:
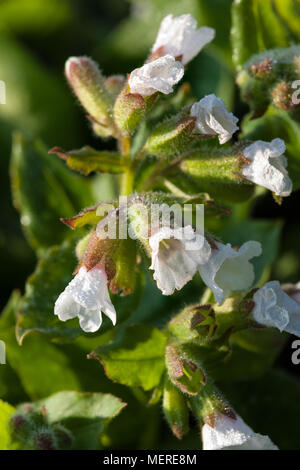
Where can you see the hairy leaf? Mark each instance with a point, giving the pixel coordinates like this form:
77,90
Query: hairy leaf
136,358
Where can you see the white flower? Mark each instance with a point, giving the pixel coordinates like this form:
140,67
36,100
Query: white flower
159,75
228,270
233,434
86,297
176,254
214,119
179,37
267,166
274,308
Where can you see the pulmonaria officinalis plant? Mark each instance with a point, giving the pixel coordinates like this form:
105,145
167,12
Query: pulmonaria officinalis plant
184,169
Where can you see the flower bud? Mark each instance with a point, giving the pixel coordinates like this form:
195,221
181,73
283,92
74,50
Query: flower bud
171,137
184,371
196,322
64,438
44,439
88,85
20,426
267,78
129,109
282,96
114,84
175,410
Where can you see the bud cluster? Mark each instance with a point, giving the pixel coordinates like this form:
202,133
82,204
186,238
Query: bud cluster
271,77
31,430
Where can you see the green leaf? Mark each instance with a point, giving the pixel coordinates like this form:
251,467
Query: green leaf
33,375
217,14
65,405
243,34
43,192
277,123
136,358
6,411
289,12
39,374
256,27
86,160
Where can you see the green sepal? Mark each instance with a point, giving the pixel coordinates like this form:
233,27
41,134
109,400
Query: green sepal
194,323
89,216
171,137
216,172
129,109
118,257
184,369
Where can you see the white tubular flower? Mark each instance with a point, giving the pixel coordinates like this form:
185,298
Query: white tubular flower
212,118
86,297
159,75
176,255
267,166
274,308
233,434
228,270
179,37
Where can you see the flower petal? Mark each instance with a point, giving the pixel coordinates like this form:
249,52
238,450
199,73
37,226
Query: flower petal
212,118
179,37
233,434
229,270
86,296
176,254
267,166
159,75
274,308
90,320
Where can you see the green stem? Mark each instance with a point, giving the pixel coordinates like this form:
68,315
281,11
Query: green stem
128,176
127,181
